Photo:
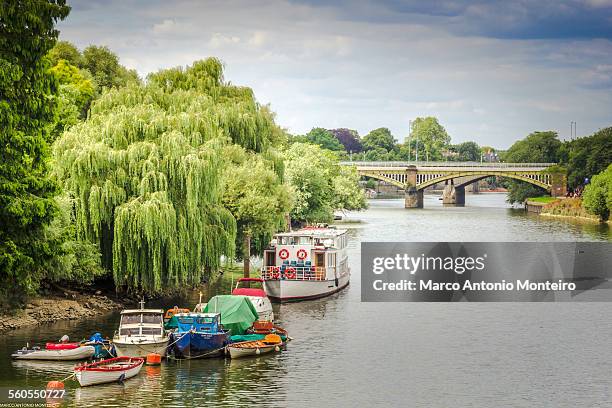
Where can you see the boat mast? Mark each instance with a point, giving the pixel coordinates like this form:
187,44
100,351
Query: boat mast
142,303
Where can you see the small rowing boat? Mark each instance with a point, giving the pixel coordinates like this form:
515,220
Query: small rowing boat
266,327
115,369
56,351
271,342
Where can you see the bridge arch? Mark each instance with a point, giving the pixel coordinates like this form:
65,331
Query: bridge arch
532,179
388,178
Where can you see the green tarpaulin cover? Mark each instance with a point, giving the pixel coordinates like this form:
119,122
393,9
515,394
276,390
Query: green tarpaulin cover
171,324
237,312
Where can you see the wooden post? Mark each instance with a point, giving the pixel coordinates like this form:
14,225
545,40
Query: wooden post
246,255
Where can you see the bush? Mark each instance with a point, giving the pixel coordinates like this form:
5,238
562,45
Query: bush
598,194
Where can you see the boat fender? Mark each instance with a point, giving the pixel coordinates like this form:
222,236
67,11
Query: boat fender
336,280
55,385
121,378
257,352
276,348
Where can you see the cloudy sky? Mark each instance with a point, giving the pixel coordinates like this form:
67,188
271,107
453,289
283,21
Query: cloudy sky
490,71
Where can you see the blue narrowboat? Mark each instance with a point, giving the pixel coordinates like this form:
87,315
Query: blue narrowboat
198,335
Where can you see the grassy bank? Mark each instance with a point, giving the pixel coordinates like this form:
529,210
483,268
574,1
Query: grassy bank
568,207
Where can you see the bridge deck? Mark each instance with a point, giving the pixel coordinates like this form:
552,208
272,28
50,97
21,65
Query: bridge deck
449,166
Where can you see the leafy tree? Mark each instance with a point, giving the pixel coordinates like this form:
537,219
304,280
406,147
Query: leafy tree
146,170
27,108
257,198
105,68
379,138
597,196
588,156
349,139
430,136
70,76
318,184
537,147
325,139
65,50
468,151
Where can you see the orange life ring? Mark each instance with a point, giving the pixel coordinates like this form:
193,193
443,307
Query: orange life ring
275,272
290,273
283,254
302,254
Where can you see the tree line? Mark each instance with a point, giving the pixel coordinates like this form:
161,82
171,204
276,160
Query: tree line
152,182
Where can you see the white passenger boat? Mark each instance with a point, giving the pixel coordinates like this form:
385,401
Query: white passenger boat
141,332
306,264
66,354
257,296
115,369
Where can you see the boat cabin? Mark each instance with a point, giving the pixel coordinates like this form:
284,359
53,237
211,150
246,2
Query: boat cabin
141,322
311,253
198,322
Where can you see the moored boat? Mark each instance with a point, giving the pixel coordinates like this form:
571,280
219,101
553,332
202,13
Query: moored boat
198,335
257,296
56,351
306,264
107,371
270,343
266,327
141,332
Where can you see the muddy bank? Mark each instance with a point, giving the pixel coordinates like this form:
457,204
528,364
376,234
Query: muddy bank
67,306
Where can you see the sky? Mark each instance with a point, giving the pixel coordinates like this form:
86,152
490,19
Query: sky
490,71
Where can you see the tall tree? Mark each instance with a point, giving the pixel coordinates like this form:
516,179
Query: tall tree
148,176
468,151
349,139
65,50
430,137
27,108
105,68
325,139
379,138
587,156
537,147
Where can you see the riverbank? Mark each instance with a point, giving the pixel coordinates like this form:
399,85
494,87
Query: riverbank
67,305
562,208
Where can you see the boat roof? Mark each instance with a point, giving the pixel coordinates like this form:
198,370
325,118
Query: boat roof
255,292
196,314
313,232
137,311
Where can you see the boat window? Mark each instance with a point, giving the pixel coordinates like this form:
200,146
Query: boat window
151,331
130,319
186,320
206,320
304,240
151,318
130,332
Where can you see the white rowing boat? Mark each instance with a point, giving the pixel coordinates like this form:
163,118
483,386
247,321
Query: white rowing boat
77,353
115,369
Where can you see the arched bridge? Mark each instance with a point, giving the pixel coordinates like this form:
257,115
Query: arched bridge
414,177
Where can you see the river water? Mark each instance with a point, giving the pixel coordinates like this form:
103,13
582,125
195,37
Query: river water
349,353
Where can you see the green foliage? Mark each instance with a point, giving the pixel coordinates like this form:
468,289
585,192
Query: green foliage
588,156
105,68
77,260
597,196
380,138
70,75
27,108
319,185
255,195
430,137
468,151
146,169
325,139
65,50
537,147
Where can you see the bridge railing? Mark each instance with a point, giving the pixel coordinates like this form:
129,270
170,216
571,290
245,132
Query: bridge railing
501,165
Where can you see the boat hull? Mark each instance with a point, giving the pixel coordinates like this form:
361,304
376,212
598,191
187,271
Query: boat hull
140,349
199,345
91,377
285,290
79,353
236,352
263,307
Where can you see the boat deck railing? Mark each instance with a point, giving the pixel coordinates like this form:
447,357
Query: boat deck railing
292,272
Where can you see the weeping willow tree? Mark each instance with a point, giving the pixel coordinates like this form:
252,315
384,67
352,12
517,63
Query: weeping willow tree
146,171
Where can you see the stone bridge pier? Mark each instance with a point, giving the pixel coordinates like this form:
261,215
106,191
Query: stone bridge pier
413,197
453,195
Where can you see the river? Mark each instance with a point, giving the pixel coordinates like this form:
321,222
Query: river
349,353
